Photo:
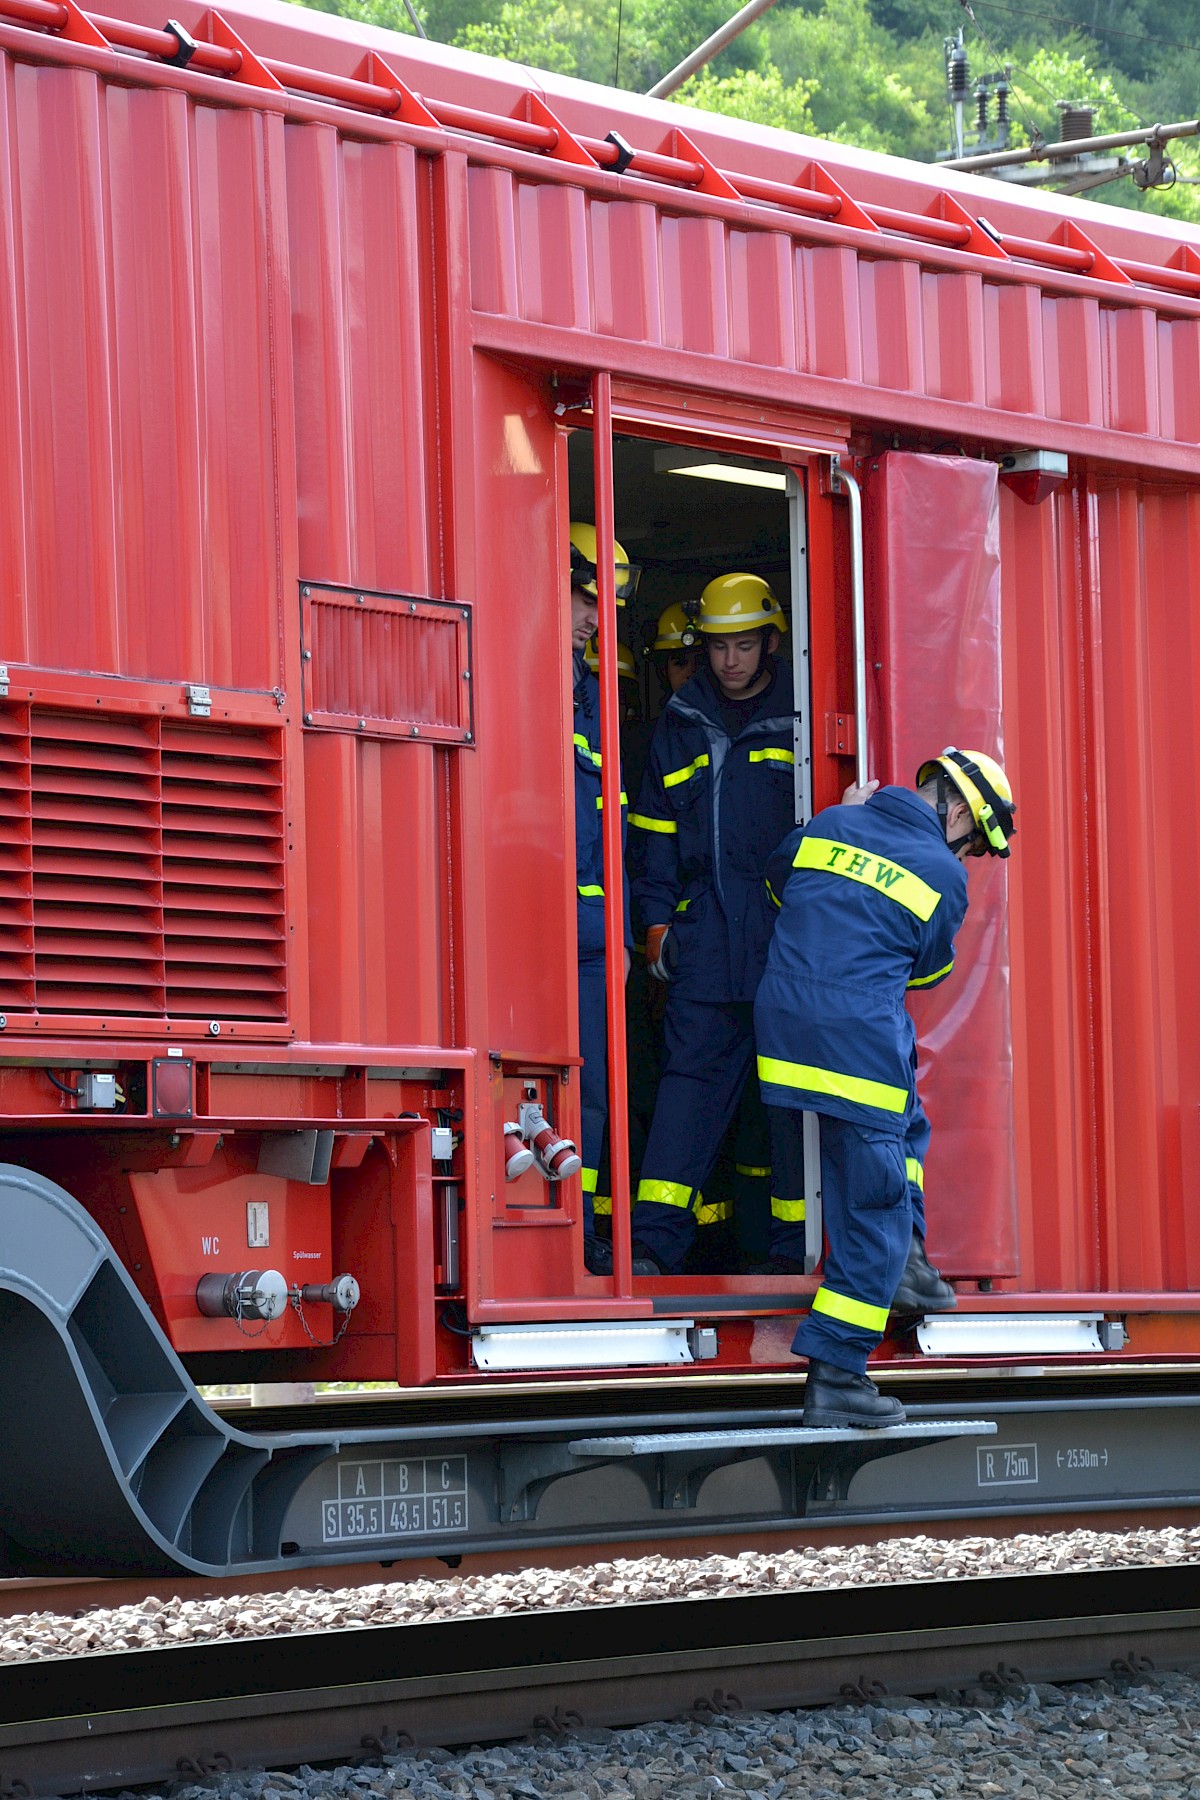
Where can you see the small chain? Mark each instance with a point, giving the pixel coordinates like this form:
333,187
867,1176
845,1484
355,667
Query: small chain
298,1309
240,1320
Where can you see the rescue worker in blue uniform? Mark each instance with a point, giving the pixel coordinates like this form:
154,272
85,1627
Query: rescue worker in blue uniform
589,875
871,898
716,799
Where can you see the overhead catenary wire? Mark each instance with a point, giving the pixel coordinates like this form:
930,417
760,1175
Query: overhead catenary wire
1054,18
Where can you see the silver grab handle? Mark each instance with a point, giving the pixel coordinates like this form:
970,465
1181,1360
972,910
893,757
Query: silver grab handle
844,481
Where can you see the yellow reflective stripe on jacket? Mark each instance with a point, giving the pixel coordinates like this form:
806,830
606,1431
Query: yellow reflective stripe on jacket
678,775
683,905
899,884
711,1212
928,980
664,1193
771,755
788,1212
588,1179
646,823
879,1094
750,1169
600,800
775,900
590,893
850,1312
915,1173
602,1206
581,743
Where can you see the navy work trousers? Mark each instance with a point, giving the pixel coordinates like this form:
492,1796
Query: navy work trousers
709,1055
868,1222
593,1079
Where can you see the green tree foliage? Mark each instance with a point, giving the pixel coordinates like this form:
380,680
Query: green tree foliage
864,72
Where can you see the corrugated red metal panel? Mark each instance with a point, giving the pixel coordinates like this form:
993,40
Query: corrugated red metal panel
1100,589
136,379
178,275
360,321
379,885
702,286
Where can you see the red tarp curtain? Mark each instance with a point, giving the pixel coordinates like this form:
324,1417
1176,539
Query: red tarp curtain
932,564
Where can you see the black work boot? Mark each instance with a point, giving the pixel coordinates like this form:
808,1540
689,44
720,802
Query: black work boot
837,1397
598,1259
922,1289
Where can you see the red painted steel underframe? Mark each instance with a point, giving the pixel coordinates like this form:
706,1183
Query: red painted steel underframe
38,45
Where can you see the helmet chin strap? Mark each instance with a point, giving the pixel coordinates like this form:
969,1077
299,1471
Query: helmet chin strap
954,845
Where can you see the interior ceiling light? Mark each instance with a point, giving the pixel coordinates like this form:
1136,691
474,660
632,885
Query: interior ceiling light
668,461
760,478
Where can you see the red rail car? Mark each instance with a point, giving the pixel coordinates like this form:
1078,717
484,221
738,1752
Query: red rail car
313,338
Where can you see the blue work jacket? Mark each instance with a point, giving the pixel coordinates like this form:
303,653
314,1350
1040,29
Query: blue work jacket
870,902
589,814
710,811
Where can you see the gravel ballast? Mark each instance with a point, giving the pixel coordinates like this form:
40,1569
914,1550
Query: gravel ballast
1139,1741
151,1622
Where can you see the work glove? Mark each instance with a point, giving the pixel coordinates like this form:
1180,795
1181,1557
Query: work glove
660,952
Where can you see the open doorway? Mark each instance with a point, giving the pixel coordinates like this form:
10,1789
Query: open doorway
686,515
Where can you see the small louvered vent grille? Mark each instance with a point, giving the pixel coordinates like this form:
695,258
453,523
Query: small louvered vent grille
386,664
141,868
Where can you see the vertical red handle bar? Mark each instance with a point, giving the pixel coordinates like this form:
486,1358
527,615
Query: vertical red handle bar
614,861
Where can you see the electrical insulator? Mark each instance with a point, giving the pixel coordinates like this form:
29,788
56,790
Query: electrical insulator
958,71
1002,107
981,110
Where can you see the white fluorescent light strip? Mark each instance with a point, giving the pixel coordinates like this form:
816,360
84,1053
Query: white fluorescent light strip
763,478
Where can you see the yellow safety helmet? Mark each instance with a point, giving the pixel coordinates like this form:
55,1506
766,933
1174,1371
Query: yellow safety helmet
734,603
985,788
673,622
583,563
626,667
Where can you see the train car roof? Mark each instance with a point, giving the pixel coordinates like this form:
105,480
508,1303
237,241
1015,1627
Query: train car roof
312,39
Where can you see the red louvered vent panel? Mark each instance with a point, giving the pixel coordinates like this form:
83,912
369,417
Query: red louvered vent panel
97,875
141,868
386,664
224,930
16,879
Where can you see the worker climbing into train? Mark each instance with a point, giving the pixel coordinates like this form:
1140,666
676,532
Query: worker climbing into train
870,898
589,874
716,799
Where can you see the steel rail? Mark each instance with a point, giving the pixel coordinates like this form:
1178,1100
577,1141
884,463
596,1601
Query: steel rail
815,192
69,1723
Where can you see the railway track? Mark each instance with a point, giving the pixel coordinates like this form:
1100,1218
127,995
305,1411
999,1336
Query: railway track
92,1723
